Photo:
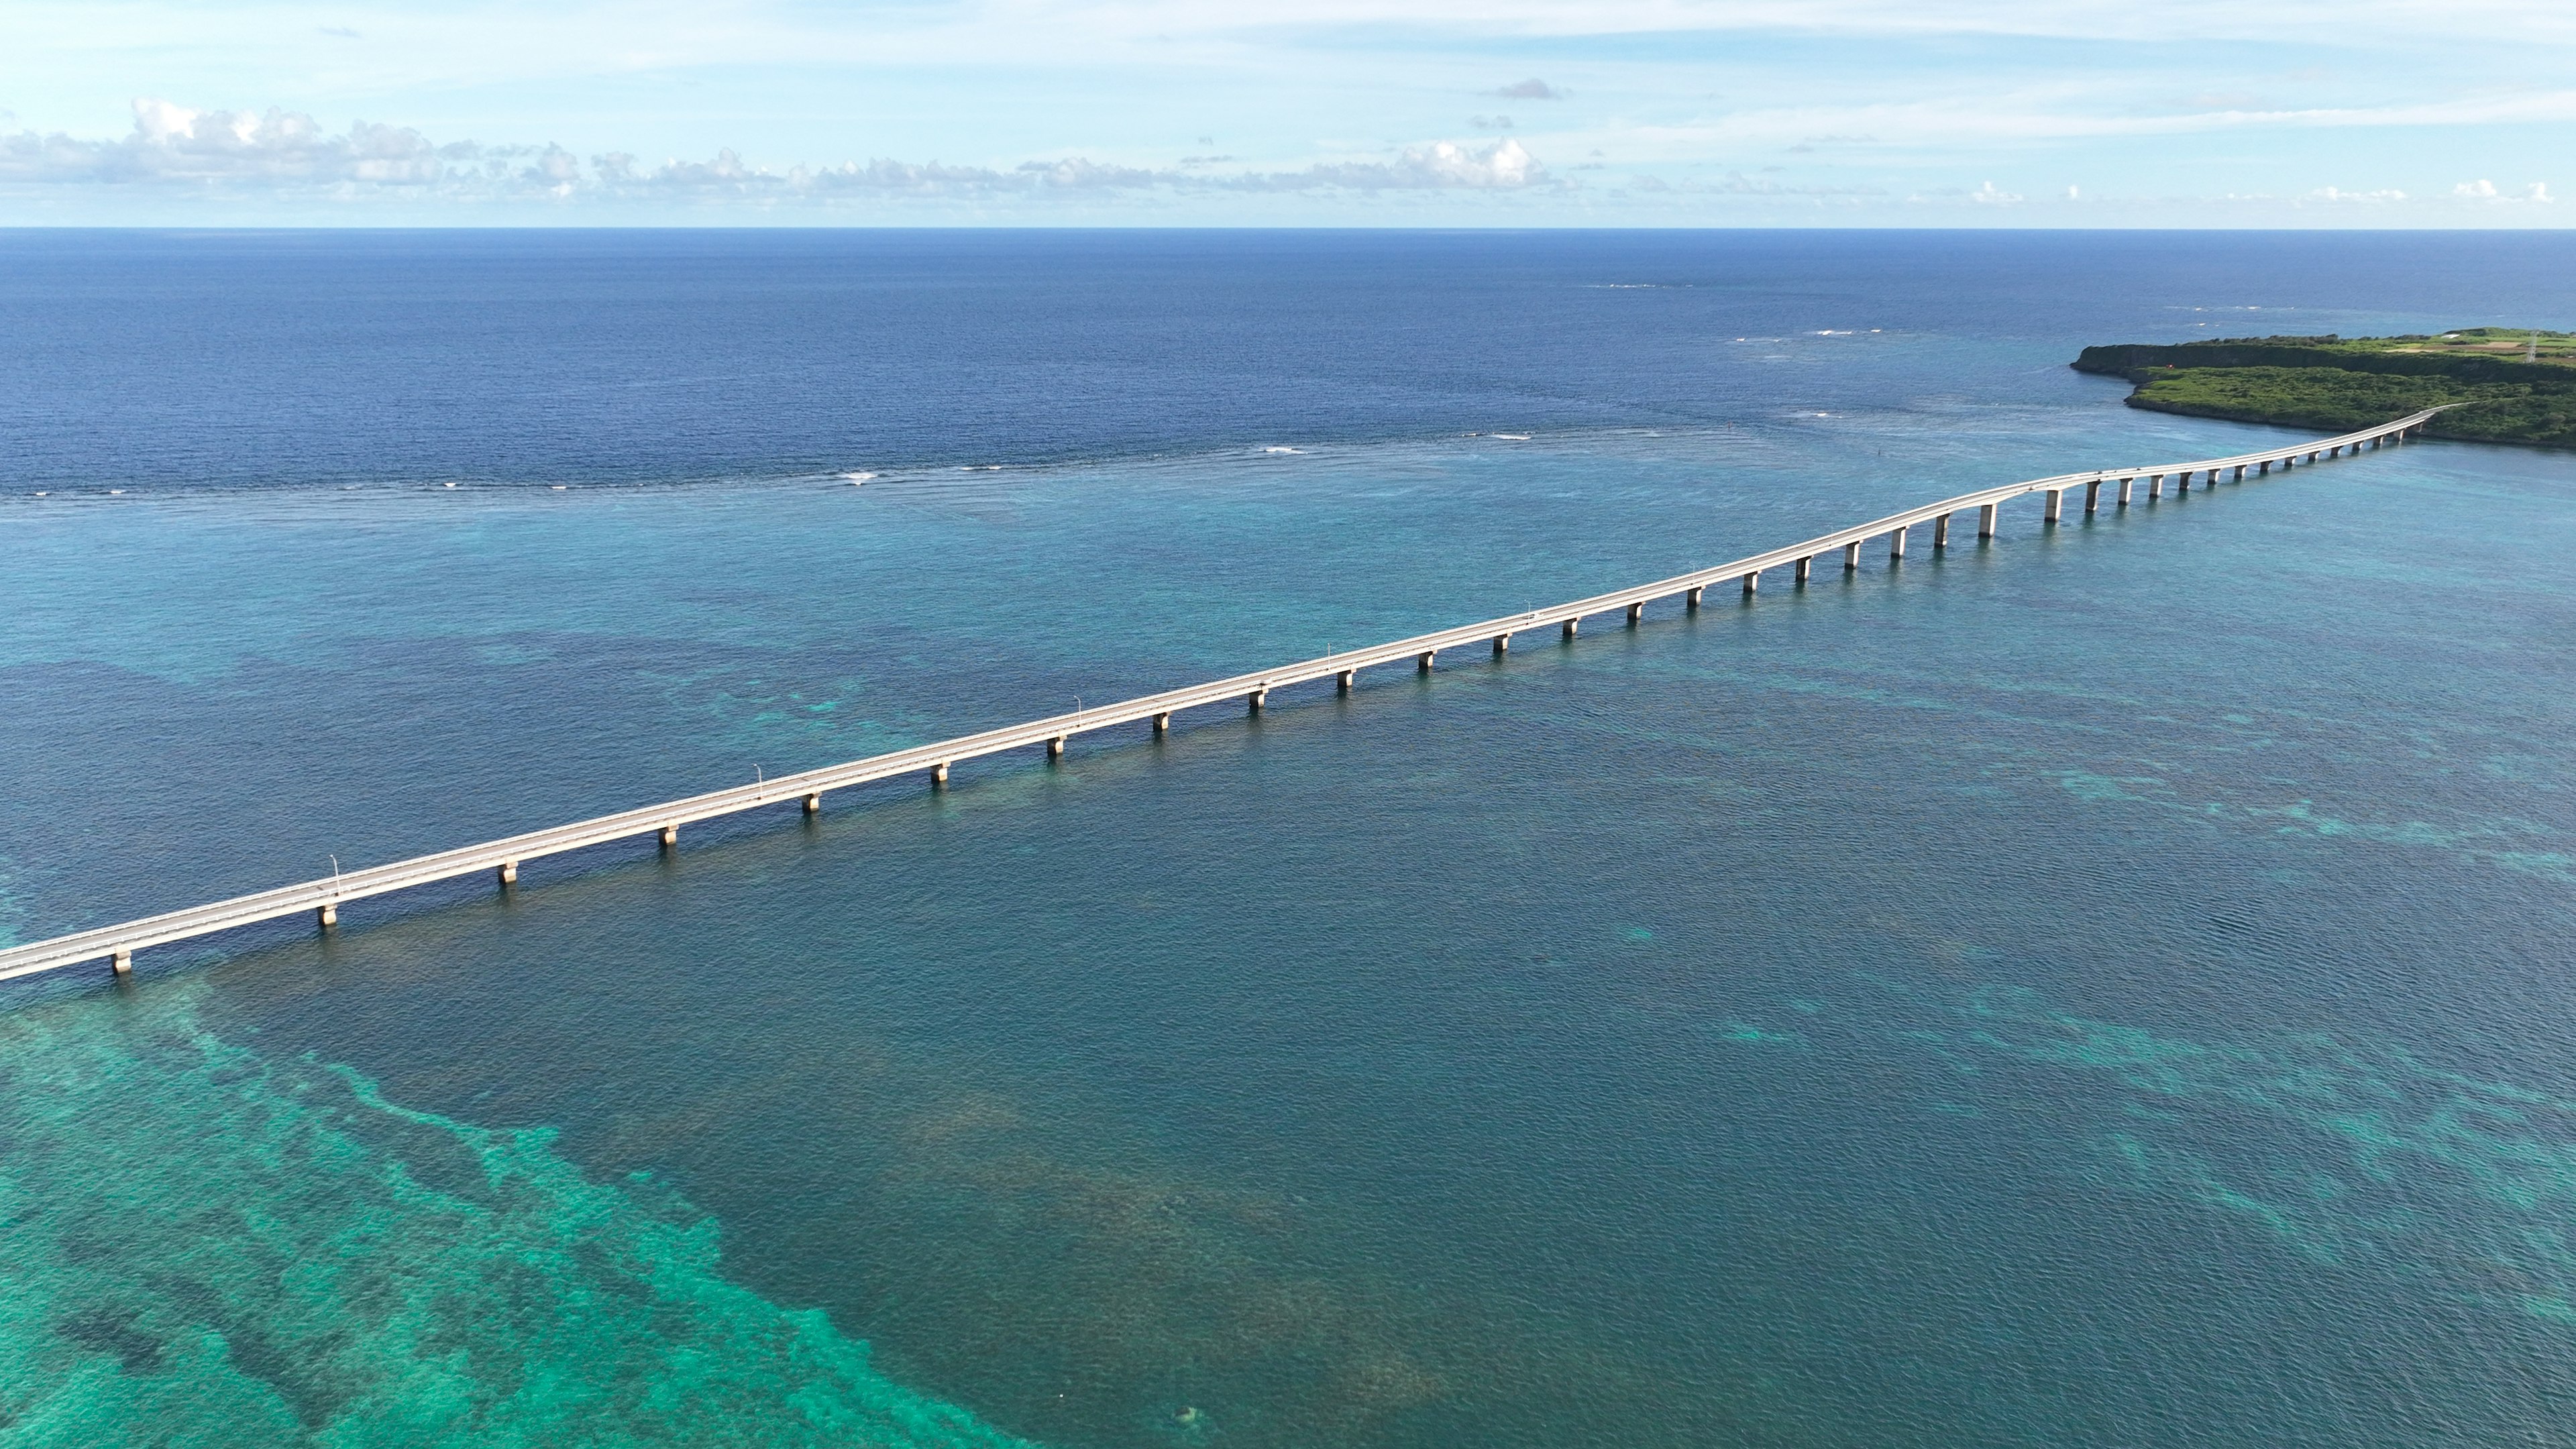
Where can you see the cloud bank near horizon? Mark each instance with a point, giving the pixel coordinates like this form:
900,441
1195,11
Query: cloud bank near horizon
280,151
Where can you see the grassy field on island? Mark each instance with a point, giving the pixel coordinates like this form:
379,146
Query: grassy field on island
2516,385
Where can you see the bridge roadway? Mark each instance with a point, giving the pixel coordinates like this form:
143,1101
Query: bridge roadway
118,943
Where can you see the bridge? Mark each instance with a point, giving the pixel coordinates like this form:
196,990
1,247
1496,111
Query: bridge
117,944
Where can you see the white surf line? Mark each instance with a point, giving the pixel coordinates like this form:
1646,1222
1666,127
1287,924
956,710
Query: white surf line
118,943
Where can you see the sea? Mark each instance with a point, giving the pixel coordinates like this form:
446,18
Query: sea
2104,986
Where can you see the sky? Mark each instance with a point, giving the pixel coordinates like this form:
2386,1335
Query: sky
1915,113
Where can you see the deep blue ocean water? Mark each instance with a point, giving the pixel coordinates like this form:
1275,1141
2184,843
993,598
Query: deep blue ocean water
2106,987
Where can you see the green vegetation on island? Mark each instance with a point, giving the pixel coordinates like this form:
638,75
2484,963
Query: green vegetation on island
2517,385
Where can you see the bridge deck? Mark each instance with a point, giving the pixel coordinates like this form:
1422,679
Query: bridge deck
118,942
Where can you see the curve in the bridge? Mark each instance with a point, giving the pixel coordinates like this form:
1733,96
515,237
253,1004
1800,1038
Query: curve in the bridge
118,943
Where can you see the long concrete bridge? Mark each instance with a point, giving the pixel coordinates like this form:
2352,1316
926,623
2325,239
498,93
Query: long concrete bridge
117,944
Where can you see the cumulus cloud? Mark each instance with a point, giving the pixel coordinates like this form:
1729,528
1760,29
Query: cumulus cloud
274,150
1532,89
285,152
2488,191
1987,195
2333,194
1502,166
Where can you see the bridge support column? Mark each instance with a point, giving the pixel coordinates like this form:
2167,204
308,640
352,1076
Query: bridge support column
939,775
813,802
1163,722
2052,505
2156,486
328,915
1569,628
1895,544
1690,598
1255,698
2093,496
1636,614
1940,533
2182,483
1806,566
1752,581
1851,556
509,873
671,833
122,963
2263,469
1347,680
1423,663
2240,472
2125,485
1502,643
1055,749
1986,519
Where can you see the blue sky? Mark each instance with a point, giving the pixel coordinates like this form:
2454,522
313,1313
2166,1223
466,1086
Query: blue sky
1290,112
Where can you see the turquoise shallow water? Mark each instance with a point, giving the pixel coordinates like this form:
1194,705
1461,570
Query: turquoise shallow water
2104,987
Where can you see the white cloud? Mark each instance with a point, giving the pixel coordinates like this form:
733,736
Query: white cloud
1501,166
2336,194
277,150
2483,190
1987,195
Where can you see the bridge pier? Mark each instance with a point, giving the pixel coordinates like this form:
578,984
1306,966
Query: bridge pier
509,873
1986,519
2125,484
1424,662
2156,486
2093,496
1940,532
1752,581
939,775
1163,722
2051,505
671,833
1806,566
1055,749
2240,472
1347,680
813,802
1636,614
122,963
1895,545
1256,697
1851,555
328,915
1690,598
1503,643
2263,469
1569,628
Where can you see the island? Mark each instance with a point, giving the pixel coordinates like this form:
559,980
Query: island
2516,384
